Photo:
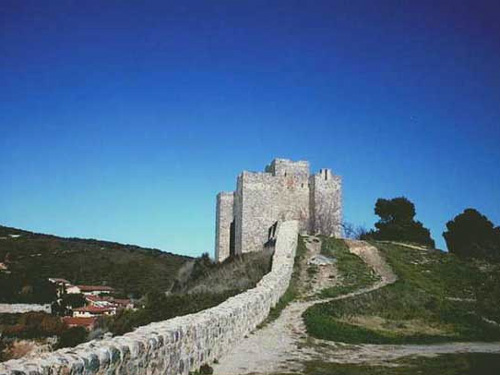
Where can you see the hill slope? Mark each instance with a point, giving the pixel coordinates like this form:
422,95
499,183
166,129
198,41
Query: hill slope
368,294
32,257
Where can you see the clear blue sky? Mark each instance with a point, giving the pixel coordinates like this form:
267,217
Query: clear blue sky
121,120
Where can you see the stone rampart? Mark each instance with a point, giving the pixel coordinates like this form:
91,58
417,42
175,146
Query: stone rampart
17,308
179,345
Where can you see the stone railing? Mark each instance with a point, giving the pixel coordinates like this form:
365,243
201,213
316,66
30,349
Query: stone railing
16,308
179,345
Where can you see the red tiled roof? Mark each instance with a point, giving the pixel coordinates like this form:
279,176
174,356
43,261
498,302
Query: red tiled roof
80,322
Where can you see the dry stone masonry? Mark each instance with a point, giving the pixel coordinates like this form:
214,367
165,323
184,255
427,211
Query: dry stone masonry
19,308
180,345
285,191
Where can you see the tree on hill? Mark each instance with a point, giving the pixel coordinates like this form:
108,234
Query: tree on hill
471,235
397,223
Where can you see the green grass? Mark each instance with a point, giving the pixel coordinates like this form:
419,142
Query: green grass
438,273
292,290
446,364
354,272
420,298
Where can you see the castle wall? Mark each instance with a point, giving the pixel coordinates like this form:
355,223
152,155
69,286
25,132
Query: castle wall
19,308
224,218
326,203
179,345
265,199
285,167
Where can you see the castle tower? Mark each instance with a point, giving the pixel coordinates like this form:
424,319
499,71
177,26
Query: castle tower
224,227
285,191
325,202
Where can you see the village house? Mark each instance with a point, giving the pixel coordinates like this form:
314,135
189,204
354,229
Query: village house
73,289
95,289
106,301
93,311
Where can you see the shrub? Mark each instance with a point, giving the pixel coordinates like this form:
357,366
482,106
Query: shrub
471,235
72,337
35,324
206,370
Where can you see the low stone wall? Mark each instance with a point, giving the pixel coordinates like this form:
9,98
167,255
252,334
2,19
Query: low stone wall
179,345
16,308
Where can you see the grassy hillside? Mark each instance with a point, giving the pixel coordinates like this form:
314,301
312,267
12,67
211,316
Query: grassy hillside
445,364
354,272
33,257
201,275
437,298
201,284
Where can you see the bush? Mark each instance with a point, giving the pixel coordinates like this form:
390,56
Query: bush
72,337
34,325
206,370
472,235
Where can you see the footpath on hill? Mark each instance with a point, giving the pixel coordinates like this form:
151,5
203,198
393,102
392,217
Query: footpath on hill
283,345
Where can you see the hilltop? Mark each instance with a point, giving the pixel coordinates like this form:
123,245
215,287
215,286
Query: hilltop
31,258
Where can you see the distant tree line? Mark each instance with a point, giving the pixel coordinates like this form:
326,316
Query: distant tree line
468,235
25,288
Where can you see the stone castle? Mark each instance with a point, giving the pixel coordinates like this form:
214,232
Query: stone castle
246,219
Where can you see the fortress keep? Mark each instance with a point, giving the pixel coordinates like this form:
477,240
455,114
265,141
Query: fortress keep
246,219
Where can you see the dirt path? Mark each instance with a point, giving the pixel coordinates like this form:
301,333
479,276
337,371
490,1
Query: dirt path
283,345
279,346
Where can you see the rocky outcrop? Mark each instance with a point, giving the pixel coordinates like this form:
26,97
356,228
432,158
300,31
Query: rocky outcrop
178,345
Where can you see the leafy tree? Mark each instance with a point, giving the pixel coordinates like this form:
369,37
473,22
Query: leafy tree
471,235
74,300
24,288
67,303
397,223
